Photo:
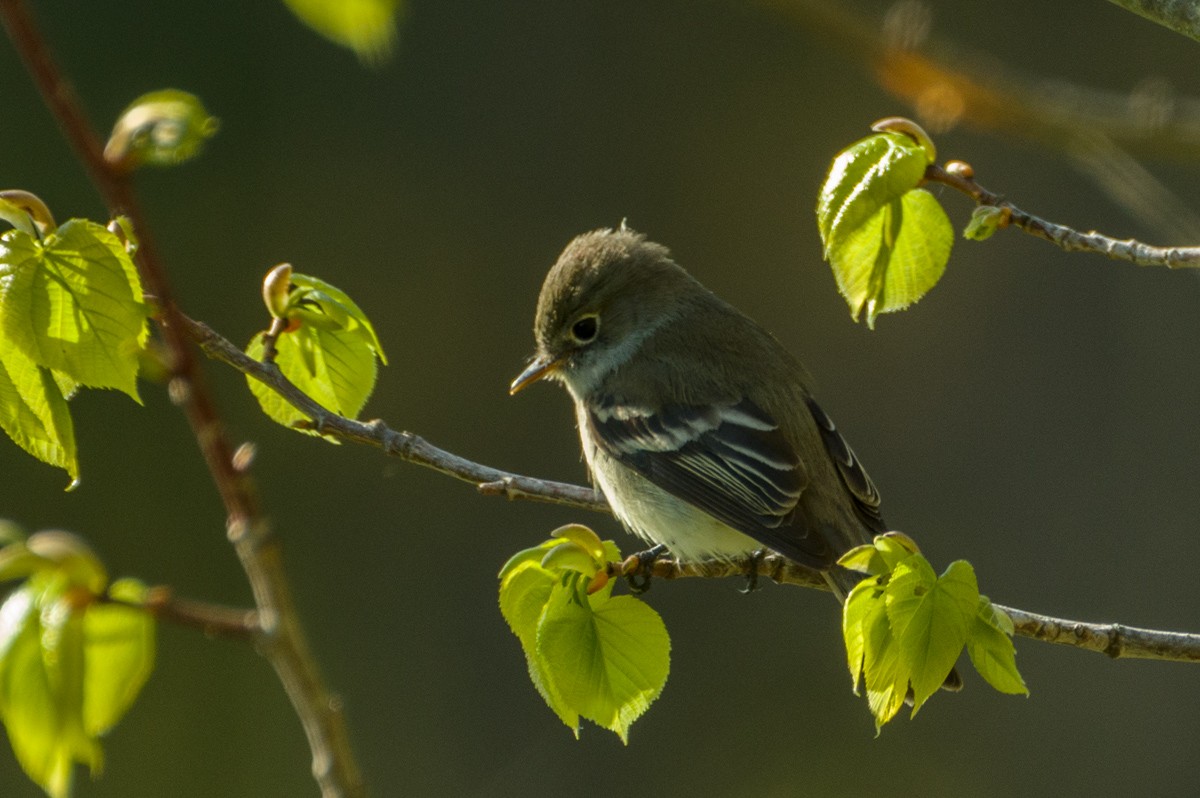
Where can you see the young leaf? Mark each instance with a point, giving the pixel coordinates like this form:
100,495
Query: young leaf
329,354
589,655
335,368
991,650
26,212
118,650
367,27
609,660
33,411
72,303
525,590
884,672
39,690
71,664
162,128
985,221
930,617
859,603
894,257
887,241
326,298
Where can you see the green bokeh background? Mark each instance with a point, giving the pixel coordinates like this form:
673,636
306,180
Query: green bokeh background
1036,414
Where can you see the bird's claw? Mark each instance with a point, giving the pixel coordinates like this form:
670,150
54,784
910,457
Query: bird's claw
752,562
638,568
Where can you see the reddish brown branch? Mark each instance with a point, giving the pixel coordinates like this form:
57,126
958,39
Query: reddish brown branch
283,640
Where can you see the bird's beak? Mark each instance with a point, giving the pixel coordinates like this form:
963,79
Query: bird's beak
542,366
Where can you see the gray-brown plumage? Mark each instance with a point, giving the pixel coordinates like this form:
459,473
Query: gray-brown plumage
696,423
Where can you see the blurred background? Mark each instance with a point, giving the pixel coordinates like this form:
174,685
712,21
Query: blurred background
1035,414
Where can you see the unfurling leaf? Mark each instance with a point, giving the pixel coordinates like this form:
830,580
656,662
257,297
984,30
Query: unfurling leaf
887,240
162,128
985,221
905,627
26,212
328,353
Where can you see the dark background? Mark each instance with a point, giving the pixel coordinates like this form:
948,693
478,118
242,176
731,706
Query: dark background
1034,415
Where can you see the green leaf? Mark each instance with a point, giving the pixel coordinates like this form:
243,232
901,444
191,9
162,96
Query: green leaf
26,212
72,559
72,303
881,555
865,177
859,603
895,548
525,590
162,128
325,298
895,257
887,241
367,27
865,559
34,412
607,660
330,354
991,649
335,368
884,672
595,656
41,689
119,650
930,617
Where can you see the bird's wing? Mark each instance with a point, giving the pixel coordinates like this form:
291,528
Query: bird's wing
854,476
730,461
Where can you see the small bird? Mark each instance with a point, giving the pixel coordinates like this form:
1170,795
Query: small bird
696,423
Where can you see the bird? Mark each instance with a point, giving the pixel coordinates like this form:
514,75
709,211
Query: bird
697,425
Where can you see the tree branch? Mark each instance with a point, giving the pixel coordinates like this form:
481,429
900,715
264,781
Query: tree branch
214,620
1065,237
280,638
1115,640
405,445
1180,16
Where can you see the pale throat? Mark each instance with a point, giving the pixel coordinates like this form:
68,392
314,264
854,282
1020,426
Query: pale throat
586,375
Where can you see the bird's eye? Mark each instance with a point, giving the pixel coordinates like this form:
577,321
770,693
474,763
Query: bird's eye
585,329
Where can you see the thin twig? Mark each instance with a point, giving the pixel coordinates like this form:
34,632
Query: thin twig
214,620
1065,237
405,445
1112,639
281,638
1115,640
1178,15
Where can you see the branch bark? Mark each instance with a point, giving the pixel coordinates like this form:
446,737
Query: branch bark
1068,238
1115,640
1181,16
279,637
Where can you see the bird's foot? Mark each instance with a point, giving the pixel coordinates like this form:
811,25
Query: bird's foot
638,568
752,563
